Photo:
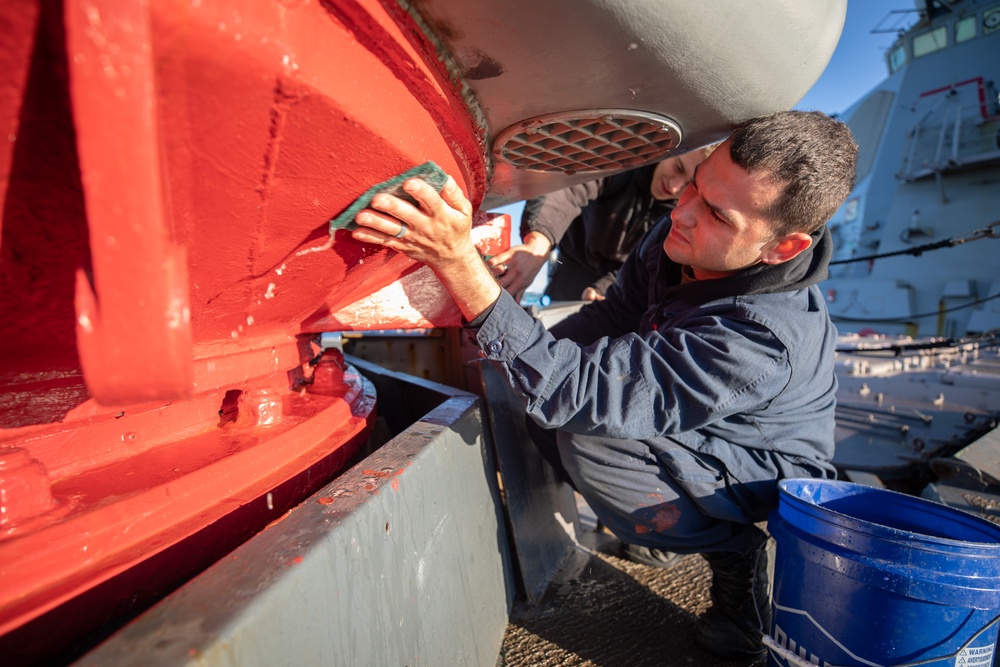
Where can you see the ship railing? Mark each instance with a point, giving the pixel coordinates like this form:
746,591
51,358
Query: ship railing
950,136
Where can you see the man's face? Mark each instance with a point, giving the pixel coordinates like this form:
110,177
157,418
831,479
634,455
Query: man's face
672,175
719,225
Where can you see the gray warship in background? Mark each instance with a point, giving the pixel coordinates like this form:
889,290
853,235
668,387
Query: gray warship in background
914,285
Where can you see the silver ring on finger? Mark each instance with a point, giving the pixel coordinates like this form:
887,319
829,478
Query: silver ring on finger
503,268
402,230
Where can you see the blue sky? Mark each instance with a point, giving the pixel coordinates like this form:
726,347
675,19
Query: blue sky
858,63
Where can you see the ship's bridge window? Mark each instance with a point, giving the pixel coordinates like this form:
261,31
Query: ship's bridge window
897,58
965,29
930,41
991,20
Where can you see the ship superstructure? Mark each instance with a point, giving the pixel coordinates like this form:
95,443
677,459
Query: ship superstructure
910,256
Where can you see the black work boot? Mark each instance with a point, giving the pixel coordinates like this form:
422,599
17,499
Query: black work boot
649,555
741,611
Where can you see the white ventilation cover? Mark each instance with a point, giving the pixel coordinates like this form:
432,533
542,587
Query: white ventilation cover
580,142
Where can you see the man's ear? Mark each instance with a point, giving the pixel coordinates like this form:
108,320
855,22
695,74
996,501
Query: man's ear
785,247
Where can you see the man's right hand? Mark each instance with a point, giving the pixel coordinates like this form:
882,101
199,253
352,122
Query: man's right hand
435,232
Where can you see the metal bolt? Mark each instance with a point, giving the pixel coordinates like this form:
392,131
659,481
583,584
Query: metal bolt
328,376
25,489
261,406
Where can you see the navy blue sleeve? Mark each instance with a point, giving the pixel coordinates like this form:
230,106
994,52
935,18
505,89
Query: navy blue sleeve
632,386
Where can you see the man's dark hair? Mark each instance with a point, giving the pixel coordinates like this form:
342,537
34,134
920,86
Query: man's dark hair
812,154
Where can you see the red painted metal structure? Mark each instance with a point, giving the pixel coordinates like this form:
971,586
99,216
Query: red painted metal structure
166,169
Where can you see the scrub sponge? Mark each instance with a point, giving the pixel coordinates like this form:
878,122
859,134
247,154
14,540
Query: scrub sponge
428,171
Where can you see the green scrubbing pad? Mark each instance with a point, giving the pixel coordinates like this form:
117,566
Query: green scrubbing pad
428,171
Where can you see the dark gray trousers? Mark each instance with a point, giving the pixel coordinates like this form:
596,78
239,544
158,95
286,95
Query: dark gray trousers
657,493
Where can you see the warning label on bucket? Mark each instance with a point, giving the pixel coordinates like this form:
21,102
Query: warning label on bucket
975,657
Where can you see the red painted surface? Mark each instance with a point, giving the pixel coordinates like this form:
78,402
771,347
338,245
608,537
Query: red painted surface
18,24
166,164
270,119
162,474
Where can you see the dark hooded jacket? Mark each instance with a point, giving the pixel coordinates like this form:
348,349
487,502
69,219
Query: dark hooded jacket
746,360
594,226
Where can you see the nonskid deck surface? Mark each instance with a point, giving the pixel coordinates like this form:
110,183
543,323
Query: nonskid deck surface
614,613
604,611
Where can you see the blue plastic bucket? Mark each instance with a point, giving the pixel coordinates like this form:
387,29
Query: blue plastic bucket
866,576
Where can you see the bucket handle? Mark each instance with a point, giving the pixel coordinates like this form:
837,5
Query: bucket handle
795,660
